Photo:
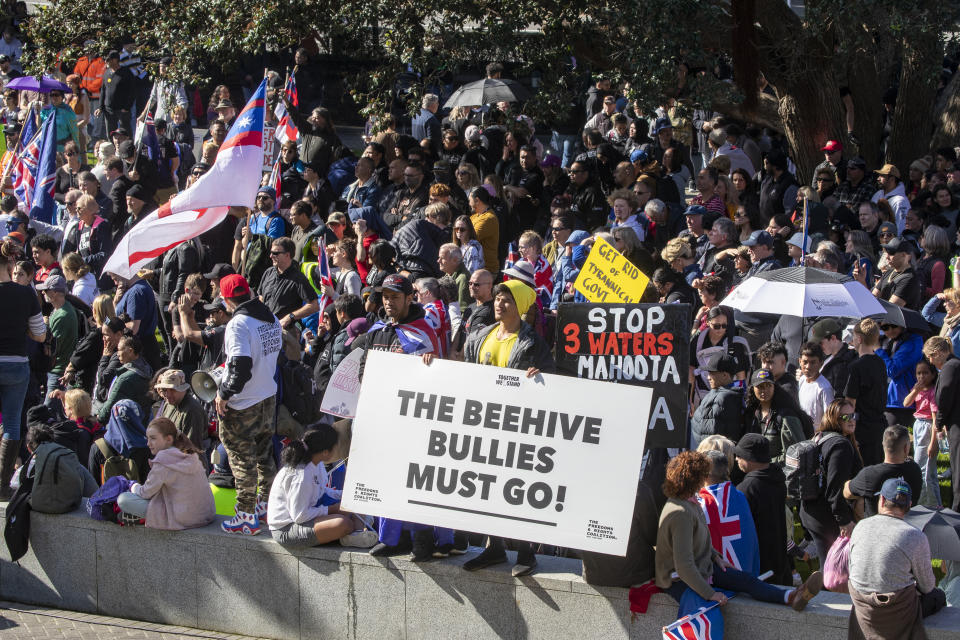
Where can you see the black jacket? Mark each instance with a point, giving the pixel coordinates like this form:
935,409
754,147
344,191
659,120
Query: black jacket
319,146
95,250
589,206
86,358
830,511
837,369
177,265
418,246
384,338
766,493
119,89
948,393
719,413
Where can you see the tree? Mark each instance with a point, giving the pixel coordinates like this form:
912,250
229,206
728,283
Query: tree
862,46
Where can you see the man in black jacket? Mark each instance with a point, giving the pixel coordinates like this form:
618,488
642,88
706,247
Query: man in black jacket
939,352
765,488
413,196
176,265
117,93
589,205
418,242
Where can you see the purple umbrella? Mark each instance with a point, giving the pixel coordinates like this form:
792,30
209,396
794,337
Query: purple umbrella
30,83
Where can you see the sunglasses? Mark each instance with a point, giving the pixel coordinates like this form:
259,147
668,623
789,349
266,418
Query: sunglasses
848,417
558,229
459,229
277,253
887,327
577,170
717,327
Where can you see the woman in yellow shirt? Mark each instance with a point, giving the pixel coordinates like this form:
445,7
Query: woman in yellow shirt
487,226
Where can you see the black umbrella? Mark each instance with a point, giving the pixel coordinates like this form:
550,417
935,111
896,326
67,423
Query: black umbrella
941,528
901,317
487,91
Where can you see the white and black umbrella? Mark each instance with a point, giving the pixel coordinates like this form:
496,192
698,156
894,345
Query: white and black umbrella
487,91
901,317
942,528
805,292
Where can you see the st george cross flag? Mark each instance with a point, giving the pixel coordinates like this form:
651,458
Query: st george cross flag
286,130
696,626
233,180
732,531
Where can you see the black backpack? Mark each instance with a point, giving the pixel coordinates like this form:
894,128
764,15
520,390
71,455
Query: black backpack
65,432
804,467
299,392
257,260
16,530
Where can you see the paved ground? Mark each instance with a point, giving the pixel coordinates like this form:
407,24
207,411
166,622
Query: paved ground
27,621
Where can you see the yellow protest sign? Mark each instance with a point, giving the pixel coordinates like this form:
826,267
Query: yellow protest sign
607,276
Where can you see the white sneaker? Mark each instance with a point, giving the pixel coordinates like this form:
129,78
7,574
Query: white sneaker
362,539
243,523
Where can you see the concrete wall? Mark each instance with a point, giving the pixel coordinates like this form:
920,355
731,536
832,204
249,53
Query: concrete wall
249,585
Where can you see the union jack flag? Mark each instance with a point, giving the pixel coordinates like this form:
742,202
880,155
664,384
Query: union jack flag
35,172
732,532
438,318
513,256
286,130
416,337
696,626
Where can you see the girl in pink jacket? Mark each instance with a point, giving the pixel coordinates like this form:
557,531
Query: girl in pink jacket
176,494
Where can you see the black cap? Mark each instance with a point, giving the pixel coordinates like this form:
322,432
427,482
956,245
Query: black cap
120,131
127,149
722,362
139,192
856,163
760,376
753,447
216,304
825,328
396,282
899,245
220,270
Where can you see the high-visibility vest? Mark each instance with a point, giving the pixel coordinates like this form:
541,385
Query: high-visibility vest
91,72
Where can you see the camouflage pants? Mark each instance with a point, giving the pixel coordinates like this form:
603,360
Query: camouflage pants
247,435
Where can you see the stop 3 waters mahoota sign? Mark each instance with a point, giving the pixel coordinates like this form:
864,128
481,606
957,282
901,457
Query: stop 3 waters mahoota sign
548,459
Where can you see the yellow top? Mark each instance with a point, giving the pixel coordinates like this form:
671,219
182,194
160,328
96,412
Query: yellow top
495,351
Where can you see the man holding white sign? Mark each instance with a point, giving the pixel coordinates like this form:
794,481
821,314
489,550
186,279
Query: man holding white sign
511,455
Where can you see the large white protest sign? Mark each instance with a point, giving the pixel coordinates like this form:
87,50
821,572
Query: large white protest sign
343,390
548,459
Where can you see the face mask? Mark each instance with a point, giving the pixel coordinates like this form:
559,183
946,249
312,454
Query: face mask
412,183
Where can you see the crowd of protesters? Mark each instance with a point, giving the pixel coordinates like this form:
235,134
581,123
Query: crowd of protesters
472,231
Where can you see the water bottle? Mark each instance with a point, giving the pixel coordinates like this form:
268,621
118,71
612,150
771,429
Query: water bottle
944,444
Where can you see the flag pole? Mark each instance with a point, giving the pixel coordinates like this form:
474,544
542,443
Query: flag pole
803,249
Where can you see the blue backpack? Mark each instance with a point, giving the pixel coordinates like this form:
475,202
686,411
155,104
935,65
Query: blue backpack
102,504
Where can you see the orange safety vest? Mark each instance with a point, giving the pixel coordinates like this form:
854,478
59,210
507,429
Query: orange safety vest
92,73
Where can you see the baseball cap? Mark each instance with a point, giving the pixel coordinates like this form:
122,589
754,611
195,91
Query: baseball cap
721,362
550,160
224,104
357,327
661,124
396,282
889,170
832,145
172,379
760,376
639,155
899,245
120,131
856,163
577,237
523,271
219,271
233,286
797,241
897,491
887,226
53,283
753,447
758,237
217,303
472,133
696,210
269,191
823,329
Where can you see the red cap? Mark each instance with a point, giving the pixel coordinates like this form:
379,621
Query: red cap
832,145
19,237
233,286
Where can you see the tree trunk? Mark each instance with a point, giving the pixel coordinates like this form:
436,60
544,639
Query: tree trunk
866,91
812,113
947,117
913,114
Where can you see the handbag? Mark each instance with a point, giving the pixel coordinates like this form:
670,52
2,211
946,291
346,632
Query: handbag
836,568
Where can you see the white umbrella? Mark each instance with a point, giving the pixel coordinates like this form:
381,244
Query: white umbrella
805,292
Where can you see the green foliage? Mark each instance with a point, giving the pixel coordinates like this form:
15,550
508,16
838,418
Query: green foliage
637,42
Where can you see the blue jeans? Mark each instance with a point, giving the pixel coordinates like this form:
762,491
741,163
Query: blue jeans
930,495
739,581
14,379
564,145
133,504
53,383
